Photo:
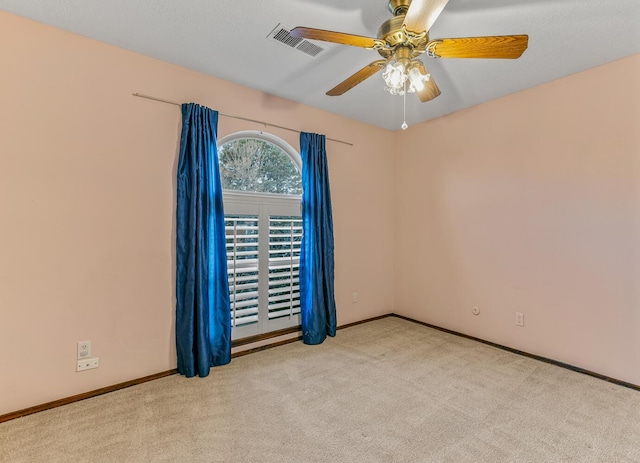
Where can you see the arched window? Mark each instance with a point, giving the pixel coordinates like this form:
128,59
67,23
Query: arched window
262,189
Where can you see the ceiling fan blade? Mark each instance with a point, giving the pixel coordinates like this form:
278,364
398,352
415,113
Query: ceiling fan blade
335,37
430,90
422,14
350,82
495,46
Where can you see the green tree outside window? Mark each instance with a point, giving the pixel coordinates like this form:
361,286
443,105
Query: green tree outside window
252,165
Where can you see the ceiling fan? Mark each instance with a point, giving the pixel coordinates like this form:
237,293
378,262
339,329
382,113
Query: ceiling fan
403,38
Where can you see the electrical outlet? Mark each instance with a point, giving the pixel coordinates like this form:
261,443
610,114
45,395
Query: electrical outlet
519,319
88,364
84,350
354,297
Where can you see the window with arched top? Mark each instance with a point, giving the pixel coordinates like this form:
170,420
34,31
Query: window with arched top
256,163
262,189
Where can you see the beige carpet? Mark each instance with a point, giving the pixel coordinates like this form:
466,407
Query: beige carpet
385,391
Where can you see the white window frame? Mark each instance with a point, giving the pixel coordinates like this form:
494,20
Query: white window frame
263,205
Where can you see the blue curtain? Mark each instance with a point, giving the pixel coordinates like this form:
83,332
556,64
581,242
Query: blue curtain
203,319
317,300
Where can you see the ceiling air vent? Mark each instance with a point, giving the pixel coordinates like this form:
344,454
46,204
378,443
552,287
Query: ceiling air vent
282,34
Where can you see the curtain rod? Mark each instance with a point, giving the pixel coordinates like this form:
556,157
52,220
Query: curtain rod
140,95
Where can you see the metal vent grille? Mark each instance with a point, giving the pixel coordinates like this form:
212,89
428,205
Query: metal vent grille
309,48
283,35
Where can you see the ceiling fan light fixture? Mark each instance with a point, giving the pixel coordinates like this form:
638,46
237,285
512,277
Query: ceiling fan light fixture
394,77
396,74
417,79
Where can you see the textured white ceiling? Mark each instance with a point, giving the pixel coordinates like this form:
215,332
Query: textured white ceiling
227,39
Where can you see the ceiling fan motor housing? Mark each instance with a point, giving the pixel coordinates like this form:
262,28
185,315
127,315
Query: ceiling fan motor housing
398,7
392,32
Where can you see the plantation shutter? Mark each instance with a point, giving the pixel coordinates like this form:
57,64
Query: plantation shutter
285,236
242,235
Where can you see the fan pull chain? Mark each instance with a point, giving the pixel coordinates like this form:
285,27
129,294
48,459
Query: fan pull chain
404,108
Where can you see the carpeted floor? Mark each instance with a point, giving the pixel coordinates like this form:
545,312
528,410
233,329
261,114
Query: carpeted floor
385,391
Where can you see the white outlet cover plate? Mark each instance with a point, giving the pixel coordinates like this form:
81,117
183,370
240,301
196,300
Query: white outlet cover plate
88,364
84,350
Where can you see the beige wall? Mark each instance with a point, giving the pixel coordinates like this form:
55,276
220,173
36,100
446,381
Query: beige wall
87,207
530,203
